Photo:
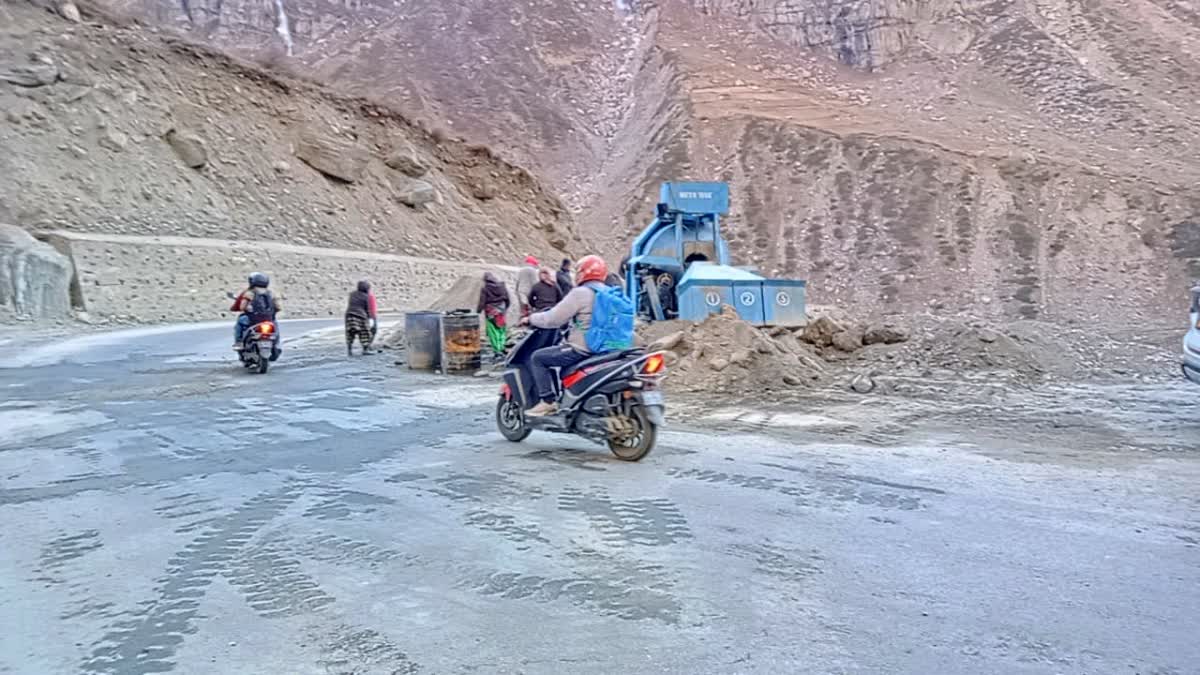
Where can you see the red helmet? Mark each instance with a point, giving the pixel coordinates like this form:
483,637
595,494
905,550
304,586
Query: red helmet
590,268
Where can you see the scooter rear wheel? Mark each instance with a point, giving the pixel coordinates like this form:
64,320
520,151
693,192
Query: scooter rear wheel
511,420
639,444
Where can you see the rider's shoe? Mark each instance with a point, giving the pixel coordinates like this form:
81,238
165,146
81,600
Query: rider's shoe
542,409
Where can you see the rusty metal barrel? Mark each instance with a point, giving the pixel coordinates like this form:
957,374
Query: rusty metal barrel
423,339
460,342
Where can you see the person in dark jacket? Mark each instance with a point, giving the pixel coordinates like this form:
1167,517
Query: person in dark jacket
545,293
493,304
565,284
361,318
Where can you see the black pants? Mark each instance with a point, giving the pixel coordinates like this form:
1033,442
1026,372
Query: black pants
356,327
560,356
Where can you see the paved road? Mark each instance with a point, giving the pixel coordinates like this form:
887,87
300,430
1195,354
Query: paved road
170,513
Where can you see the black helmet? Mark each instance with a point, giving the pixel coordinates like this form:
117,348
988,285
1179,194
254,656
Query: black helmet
364,286
259,280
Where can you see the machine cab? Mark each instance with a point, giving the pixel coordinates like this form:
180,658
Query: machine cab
686,229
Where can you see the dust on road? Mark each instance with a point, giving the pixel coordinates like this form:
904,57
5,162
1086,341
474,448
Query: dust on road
342,516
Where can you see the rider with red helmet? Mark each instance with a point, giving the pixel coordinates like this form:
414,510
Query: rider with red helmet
574,309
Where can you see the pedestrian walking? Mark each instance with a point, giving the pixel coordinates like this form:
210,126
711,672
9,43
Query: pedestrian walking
362,318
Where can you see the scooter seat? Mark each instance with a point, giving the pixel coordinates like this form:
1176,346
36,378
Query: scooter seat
601,359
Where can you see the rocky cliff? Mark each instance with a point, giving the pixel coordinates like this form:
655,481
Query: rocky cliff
1018,157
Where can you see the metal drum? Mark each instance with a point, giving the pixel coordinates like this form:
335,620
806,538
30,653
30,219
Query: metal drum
460,341
423,339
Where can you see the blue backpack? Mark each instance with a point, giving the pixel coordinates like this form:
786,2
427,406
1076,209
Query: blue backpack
612,320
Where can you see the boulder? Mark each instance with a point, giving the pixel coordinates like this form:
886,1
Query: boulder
848,341
820,331
416,192
188,147
332,156
667,342
885,334
484,190
39,72
70,12
863,384
35,279
404,158
114,141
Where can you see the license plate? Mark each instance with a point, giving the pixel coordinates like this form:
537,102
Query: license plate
265,346
652,397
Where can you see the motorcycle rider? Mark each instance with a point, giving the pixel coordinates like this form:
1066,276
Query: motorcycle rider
244,302
575,309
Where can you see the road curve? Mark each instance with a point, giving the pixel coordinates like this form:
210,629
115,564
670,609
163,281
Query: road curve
165,511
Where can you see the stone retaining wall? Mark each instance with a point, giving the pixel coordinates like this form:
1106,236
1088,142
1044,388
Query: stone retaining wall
158,279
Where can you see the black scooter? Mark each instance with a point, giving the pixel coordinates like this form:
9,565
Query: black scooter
612,399
260,345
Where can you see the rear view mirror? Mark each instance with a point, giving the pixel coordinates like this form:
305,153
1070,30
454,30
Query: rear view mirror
1195,300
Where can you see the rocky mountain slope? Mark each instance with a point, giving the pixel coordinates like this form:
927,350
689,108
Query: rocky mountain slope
120,130
1015,158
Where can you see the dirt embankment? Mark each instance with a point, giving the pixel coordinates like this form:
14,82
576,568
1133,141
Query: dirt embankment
118,130
725,355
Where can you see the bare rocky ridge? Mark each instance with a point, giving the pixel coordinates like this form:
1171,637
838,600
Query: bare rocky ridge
1012,159
137,134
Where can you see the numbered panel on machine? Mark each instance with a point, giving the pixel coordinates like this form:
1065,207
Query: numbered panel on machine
747,299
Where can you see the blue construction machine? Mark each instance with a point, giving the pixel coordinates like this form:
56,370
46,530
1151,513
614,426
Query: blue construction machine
679,267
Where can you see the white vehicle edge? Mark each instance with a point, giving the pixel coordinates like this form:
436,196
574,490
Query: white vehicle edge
1191,341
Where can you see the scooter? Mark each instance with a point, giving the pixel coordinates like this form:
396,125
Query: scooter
613,399
260,345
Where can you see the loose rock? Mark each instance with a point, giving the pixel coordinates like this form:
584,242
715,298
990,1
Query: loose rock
70,12
188,147
114,141
417,192
863,384
404,158
885,334
820,331
332,156
848,341
667,342
40,72
484,191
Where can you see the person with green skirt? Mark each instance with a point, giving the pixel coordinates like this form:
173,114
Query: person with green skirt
493,304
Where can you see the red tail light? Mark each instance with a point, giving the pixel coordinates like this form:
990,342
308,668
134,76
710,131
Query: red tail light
266,328
654,364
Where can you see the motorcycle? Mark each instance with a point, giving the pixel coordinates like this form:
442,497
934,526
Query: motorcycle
260,345
613,399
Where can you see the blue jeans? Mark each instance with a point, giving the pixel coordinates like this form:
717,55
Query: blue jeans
560,356
239,328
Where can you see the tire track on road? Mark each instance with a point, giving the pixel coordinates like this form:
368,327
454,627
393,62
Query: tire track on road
147,640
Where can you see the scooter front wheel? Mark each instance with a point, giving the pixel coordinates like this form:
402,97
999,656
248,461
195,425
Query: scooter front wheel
510,419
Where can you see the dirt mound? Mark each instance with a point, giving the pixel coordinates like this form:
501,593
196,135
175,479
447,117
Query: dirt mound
464,294
729,356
